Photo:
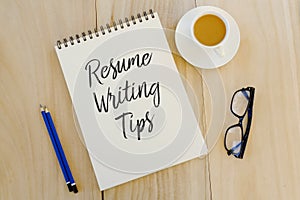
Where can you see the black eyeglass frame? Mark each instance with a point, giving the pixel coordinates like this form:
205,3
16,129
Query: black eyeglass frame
245,135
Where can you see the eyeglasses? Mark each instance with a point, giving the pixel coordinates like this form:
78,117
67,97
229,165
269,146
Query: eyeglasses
236,136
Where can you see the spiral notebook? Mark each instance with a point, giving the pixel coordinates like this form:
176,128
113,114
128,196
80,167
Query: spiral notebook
129,99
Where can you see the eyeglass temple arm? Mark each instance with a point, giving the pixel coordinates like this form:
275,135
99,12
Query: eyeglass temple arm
245,137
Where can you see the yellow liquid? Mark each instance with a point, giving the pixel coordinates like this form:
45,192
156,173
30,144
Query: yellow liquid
209,30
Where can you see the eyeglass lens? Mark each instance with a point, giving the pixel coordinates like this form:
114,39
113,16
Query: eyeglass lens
240,102
233,139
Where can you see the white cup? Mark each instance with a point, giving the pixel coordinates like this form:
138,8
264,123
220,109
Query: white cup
218,48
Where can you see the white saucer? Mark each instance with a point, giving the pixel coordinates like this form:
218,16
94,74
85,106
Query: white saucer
205,57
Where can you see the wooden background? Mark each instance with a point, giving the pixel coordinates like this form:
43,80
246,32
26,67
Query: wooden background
268,59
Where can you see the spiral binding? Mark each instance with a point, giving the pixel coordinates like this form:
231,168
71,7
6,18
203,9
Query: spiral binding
105,30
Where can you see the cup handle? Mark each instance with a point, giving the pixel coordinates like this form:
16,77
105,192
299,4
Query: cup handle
219,51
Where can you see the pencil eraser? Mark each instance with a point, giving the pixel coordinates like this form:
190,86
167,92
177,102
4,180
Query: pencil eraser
74,187
70,187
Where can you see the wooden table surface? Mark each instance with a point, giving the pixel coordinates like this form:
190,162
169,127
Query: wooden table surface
268,59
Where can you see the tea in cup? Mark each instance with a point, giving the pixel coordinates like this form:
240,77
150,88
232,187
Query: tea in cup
210,30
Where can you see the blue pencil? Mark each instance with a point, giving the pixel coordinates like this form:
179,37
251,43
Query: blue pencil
57,152
63,157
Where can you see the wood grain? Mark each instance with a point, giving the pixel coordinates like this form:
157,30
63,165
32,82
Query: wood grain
29,75
268,59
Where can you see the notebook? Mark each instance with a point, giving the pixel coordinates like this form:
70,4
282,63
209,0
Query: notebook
129,99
